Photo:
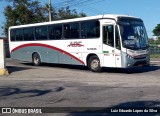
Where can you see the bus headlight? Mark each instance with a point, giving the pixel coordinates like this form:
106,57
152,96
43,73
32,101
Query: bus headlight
147,51
129,56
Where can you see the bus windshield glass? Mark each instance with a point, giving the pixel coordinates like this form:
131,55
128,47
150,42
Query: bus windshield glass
133,34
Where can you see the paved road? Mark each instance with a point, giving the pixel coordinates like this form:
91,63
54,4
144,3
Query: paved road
75,86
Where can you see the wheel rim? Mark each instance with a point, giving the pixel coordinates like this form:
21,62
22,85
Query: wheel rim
36,60
95,64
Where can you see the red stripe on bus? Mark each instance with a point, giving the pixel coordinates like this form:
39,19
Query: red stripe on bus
48,46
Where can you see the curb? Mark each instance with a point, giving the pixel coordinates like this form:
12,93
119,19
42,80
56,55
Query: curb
4,72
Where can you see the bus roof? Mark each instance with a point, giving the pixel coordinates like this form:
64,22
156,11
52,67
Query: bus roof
109,16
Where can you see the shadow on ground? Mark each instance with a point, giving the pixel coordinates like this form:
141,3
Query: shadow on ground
17,68
132,70
105,70
8,91
128,105
67,66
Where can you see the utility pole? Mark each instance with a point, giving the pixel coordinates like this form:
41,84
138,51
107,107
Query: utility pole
49,4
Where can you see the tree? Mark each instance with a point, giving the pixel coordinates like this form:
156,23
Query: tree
31,11
23,12
156,31
66,13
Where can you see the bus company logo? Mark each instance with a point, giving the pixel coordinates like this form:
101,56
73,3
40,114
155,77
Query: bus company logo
6,110
75,44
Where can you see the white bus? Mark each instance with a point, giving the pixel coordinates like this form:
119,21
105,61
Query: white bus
118,41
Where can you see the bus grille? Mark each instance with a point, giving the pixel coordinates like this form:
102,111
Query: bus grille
140,63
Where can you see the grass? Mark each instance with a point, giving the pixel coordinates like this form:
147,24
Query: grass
155,55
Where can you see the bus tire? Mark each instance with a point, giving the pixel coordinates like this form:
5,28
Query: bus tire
94,64
36,60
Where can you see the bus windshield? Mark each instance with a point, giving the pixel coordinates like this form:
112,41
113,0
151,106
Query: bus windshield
133,34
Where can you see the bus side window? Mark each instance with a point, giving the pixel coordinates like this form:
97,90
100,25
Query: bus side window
51,32
28,34
58,32
118,45
55,32
67,31
19,35
12,35
71,31
41,33
75,30
108,35
90,29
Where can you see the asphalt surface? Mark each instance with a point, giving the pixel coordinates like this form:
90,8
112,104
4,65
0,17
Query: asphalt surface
52,85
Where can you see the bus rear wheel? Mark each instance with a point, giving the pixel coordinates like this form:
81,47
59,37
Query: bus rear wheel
36,59
94,64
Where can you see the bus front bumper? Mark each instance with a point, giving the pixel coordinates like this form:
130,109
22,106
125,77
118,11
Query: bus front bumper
128,62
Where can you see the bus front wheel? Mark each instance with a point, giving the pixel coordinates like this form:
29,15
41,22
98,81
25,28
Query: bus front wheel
94,64
36,59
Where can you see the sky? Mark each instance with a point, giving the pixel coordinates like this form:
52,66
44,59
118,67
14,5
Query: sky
147,10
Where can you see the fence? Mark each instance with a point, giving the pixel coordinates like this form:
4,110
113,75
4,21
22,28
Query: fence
154,50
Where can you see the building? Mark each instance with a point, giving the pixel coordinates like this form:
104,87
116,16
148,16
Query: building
6,46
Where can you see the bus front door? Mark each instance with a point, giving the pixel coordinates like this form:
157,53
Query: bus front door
108,46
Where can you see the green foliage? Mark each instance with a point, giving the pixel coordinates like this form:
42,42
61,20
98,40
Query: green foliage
31,11
154,42
156,31
23,12
155,55
66,13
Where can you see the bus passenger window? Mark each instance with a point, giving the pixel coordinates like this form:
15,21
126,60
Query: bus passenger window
55,32
28,34
90,29
71,31
58,32
67,31
41,33
108,35
19,35
12,35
